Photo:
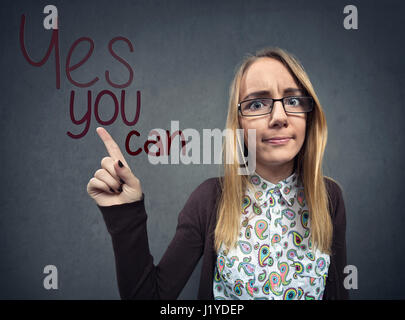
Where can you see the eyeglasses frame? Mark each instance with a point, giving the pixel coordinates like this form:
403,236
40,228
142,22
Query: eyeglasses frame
272,105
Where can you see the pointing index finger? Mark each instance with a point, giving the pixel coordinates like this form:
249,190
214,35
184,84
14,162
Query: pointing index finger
112,147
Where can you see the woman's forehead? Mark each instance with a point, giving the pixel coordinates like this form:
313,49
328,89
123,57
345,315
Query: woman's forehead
266,74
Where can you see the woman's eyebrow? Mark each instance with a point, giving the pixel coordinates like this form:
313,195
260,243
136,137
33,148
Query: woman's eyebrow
268,93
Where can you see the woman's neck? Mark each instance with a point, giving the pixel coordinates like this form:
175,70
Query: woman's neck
275,173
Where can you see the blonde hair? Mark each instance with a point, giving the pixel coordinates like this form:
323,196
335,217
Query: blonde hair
308,161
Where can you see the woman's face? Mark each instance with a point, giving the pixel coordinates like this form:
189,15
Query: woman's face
267,74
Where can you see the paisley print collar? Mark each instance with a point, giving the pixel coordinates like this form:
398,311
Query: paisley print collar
287,188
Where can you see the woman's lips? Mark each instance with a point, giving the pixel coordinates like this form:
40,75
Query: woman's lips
277,140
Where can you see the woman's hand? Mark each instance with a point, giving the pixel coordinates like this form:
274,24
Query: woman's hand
114,183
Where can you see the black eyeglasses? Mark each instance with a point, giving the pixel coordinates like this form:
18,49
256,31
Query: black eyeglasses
260,106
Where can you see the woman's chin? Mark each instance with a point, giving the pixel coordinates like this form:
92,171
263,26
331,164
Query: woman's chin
273,162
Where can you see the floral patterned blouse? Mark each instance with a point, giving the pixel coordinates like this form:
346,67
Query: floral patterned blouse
274,258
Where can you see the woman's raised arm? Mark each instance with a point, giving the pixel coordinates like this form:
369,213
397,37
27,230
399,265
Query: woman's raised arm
125,217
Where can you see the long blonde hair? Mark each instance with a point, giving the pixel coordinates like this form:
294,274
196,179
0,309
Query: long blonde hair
308,161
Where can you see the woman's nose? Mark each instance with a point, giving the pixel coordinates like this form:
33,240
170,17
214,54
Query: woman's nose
278,115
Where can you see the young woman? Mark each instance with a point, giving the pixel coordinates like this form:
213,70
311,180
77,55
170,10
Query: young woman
278,233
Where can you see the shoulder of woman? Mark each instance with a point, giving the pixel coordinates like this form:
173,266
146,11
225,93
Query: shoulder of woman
210,184
201,202
335,194
206,191
333,187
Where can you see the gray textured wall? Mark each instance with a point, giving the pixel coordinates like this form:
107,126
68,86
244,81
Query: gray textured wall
184,56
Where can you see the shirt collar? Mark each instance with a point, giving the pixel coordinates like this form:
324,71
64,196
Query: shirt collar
286,187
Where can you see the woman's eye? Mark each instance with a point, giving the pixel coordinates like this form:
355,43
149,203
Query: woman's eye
256,105
293,102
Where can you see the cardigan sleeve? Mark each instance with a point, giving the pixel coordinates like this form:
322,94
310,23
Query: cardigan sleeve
137,276
339,244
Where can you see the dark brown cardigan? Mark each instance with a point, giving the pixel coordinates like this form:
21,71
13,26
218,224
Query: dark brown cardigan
139,278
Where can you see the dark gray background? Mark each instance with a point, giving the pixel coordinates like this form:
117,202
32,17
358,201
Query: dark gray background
185,53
